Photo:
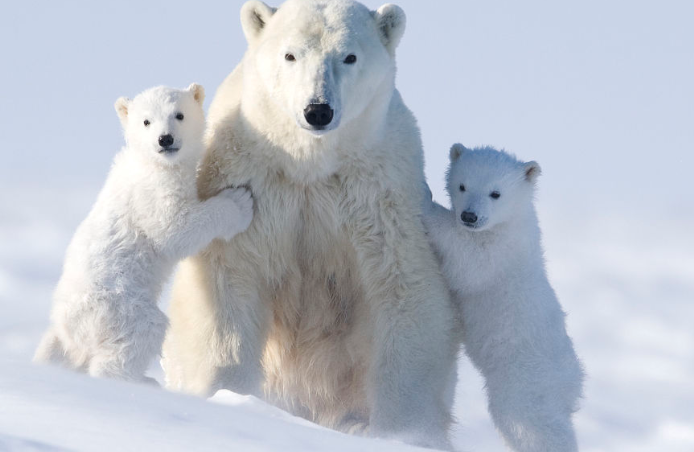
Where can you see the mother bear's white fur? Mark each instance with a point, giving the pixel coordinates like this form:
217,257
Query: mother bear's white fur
331,304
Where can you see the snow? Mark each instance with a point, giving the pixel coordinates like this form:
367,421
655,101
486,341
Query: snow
50,409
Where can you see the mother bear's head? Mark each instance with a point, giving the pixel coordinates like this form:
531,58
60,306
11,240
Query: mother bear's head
317,65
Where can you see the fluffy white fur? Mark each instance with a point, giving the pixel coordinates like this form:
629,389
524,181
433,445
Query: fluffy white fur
105,319
512,324
331,304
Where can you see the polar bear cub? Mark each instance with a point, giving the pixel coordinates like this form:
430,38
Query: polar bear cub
512,324
105,320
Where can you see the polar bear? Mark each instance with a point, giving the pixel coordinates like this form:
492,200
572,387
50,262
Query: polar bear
331,305
512,324
105,319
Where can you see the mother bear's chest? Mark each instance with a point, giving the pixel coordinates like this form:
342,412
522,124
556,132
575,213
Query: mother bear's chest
313,261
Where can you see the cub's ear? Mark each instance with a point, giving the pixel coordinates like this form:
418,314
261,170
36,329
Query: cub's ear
122,105
532,170
456,151
198,93
254,16
390,21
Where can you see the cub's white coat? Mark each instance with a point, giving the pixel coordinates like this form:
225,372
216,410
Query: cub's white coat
105,319
512,324
331,305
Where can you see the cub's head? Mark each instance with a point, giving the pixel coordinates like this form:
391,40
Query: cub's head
488,187
164,124
320,63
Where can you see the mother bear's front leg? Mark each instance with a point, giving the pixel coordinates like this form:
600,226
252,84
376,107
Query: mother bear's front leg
218,325
414,349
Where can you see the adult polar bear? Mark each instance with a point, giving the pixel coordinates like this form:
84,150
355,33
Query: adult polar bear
331,304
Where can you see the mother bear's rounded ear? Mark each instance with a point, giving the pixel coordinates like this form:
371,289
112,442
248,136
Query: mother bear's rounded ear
254,15
390,21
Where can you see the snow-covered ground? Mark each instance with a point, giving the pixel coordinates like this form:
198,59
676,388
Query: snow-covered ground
45,409
627,285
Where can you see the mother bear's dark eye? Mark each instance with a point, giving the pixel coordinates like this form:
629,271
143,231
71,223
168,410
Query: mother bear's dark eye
495,195
289,57
179,116
462,187
351,59
146,122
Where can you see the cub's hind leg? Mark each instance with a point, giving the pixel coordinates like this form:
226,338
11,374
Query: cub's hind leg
131,345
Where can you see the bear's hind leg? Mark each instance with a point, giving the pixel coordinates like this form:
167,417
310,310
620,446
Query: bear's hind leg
525,428
532,405
127,356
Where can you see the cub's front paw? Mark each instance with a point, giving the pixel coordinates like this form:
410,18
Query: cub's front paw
241,212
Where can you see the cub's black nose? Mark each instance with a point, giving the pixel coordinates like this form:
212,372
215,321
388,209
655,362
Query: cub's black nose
318,115
469,217
165,141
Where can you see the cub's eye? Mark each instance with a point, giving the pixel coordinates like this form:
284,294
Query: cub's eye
351,59
179,116
462,187
146,122
289,57
495,195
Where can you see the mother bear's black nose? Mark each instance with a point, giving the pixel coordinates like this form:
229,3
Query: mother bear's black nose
318,115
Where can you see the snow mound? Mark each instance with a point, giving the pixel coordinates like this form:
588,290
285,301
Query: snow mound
49,409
